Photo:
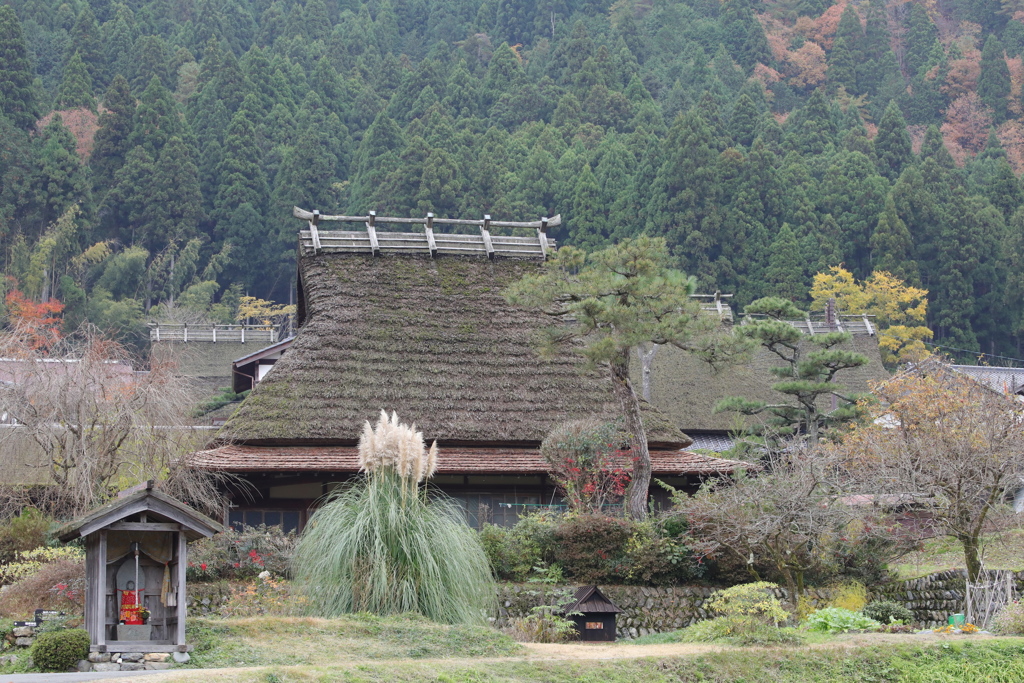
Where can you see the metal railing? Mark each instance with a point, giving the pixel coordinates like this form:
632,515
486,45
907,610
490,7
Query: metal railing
174,332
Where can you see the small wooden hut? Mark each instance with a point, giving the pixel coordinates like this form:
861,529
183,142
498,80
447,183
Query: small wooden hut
136,554
595,614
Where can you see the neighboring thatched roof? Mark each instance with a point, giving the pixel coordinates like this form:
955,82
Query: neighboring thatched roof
455,460
432,339
686,389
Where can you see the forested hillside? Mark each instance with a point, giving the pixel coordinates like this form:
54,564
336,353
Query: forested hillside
151,151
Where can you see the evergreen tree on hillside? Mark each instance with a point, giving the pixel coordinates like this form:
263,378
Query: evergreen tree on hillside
156,118
994,81
76,88
892,144
85,39
60,179
17,100
111,143
892,246
922,38
785,267
743,34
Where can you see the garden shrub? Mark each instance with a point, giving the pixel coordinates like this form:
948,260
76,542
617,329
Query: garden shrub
1010,620
27,531
754,600
60,650
738,630
888,612
29,562
241,555
512,552
852,596
839,620
591,548
265,595
57,585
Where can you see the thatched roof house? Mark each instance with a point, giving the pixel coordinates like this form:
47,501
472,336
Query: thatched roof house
686,389
433,339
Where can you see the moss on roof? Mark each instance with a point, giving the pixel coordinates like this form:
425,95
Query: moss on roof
431,339
686,389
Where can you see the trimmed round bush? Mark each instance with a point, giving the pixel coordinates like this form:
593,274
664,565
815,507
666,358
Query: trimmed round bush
886,612
60,650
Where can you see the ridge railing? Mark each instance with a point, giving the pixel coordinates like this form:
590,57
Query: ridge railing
180,332
313,240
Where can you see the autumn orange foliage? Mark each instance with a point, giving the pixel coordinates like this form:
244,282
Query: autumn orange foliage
38,320
966,126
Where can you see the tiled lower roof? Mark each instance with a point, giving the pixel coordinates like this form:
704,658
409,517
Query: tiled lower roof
453,460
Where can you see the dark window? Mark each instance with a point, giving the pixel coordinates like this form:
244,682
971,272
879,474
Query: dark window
288,520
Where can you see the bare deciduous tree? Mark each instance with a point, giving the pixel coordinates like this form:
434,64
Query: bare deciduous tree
790,517
941,440
96,424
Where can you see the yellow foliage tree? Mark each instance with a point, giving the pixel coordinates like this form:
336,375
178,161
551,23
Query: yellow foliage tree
267,312
899,309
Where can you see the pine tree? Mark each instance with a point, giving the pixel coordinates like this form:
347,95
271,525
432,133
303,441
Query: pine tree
76,87
377,154
892,144
892,246
17,100
994,81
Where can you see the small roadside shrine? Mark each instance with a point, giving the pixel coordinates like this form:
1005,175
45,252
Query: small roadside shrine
595,614
136,550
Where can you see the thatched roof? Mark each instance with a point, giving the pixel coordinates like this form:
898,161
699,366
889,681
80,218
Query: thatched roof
432,339
686,389
456,460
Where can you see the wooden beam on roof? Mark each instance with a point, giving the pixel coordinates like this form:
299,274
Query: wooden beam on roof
429,229
144,526
552,222
371,230
485,232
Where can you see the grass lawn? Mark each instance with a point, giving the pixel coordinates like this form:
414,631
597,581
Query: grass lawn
288,641
871,658
1001,551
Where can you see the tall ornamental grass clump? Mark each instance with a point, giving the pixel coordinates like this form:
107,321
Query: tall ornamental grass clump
382,546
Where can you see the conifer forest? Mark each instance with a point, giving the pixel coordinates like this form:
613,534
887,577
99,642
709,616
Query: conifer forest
151,151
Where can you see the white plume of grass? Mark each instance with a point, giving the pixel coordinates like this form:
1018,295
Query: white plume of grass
395,446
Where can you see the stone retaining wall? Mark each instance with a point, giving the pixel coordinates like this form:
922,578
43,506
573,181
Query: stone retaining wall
934,597
644,609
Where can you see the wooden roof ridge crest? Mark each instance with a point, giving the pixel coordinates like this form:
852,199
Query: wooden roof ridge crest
314,240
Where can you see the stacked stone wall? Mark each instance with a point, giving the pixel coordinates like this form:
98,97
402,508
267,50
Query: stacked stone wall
644,609
933,598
